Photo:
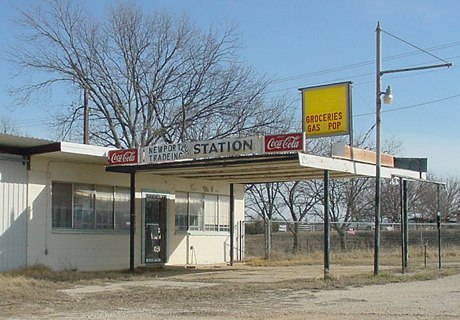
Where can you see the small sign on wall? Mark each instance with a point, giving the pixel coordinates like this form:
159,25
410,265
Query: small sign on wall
283,142
125,156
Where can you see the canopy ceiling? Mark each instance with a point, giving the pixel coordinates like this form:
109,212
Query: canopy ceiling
263,168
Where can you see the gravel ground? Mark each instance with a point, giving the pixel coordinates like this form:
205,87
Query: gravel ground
248,293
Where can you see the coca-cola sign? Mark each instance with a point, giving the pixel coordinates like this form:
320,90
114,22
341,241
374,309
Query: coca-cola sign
127,156
284,142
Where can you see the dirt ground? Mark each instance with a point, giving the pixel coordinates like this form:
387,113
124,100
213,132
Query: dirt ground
240,292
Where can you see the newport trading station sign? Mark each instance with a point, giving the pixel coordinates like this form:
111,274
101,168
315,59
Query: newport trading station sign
201,149
326,110
227,147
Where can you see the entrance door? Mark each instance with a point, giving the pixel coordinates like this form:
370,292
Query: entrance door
155,229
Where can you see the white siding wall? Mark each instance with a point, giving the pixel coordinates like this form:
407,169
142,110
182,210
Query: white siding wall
13,213
208,247
82,250
205,247
72,249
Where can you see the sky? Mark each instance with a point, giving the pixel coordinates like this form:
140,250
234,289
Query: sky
307,43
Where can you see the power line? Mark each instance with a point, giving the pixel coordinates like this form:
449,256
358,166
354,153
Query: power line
369,62
414,46
410,106
403,108
360,75
40,121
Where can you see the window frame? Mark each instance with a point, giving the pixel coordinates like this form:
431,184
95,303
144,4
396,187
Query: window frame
219,223
111,215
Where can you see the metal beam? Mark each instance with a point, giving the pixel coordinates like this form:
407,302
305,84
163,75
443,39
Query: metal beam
232,222
401,206
132,220
442,65
327,242
406,224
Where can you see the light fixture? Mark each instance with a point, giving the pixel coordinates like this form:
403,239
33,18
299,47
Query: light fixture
387,96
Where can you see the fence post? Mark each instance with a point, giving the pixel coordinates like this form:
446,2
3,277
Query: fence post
268,238
424,254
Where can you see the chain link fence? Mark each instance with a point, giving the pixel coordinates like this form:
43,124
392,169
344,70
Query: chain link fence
352,243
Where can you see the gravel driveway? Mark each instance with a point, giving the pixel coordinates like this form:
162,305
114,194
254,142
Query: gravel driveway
250,293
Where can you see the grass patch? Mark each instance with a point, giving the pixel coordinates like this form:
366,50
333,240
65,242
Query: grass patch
388,257
40,272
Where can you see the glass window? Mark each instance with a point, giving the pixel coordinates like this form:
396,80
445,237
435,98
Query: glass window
224,213
83,207
104,207
196,206
62,205
210,212
202,212
122,208
86,206
181,211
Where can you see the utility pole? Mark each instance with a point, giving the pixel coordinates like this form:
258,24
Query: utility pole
378,120
85,116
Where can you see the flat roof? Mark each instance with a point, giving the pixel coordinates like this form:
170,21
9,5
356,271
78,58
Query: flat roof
264,168
27,146
247,169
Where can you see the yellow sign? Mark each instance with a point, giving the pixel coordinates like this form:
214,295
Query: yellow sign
326,110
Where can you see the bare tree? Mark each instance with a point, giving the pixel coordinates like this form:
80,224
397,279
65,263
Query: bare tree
426,206
389,193
150,77
391,201
349,201
7,126
299,200
261,201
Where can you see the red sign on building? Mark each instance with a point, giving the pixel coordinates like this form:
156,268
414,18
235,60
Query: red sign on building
127,156
284,142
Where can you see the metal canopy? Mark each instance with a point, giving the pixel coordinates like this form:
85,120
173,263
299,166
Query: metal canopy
261,168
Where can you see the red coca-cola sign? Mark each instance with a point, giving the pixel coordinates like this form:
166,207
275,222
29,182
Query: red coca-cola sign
127,156
284,142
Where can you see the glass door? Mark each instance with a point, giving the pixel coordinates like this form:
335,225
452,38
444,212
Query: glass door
155,229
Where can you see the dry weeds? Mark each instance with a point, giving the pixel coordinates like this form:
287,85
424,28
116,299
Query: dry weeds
388,257
41,292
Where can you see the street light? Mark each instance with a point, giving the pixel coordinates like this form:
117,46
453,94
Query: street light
387,99
388,96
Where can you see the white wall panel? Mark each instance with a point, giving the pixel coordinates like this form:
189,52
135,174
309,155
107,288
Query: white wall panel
13,214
